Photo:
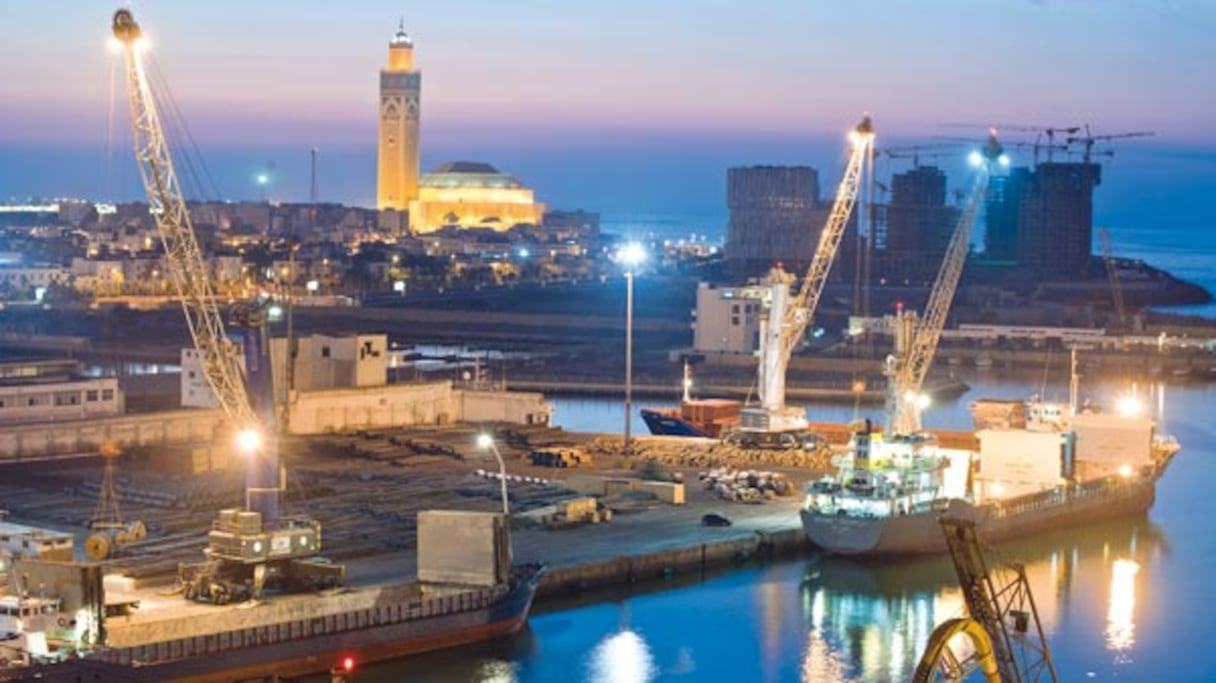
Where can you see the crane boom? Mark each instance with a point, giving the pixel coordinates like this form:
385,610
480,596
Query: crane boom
789,317
185,263
1112,271
802,309
907,373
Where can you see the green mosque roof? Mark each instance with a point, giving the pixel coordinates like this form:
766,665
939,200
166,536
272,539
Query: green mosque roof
468,174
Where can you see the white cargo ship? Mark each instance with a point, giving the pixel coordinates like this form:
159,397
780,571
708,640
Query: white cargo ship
1039,465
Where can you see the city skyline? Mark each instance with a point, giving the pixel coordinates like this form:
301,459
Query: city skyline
536,86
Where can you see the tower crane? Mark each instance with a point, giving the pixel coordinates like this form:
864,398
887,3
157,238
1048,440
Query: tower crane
790,315
916,152
1087,141
1001,613
1041,132
250,548
1116,290
916,344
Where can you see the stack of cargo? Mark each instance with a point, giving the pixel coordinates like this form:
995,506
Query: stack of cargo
749,486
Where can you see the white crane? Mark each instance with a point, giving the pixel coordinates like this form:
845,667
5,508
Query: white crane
789,316
240,553
916,344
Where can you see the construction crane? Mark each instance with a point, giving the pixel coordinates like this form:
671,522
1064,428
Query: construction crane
248,548
915,152
1041,132
1116,290
916,344
772,422
1002,612
1087,140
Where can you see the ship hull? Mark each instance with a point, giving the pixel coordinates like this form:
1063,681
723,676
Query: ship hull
225,658
920,533
666,424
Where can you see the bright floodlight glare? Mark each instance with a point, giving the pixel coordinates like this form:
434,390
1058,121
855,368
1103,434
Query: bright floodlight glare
263,179
484,441
975,158
1003,160
248,440
923,401
1129,406
631,254
1125,471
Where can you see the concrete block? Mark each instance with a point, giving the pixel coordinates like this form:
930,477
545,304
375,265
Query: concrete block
612,486
586,484
668,492
462,547
577,507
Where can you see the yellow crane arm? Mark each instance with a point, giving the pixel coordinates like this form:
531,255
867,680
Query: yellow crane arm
1112,271
185,263
939,658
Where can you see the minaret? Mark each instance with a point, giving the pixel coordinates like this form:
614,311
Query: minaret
400,88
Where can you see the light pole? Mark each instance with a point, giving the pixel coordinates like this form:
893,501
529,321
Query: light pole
631,256
263,179
485,441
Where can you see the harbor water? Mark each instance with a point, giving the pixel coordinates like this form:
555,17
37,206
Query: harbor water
1125,600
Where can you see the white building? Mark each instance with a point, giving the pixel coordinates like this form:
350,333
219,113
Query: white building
44,391
727,319
195,391
322,362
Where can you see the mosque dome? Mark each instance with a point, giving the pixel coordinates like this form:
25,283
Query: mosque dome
468,175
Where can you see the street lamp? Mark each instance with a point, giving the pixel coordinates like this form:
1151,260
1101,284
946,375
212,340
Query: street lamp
631,256
263,180
485,441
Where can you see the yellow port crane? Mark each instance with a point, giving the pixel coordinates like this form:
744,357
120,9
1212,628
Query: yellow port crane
1007,643
916,344
1112,271
252,547
789,315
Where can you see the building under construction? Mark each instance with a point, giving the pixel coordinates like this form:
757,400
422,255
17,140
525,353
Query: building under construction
776,216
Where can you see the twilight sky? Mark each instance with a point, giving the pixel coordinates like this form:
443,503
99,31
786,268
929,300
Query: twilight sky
532,82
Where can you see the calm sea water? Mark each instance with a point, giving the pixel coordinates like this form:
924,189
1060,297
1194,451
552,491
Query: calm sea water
1124,600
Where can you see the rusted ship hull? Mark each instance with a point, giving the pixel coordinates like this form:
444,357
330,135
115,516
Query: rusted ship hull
319,644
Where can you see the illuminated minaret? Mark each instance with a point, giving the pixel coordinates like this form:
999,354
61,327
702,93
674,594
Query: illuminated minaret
400,88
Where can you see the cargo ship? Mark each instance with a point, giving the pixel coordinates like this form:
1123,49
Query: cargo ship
1039,466
402,627
466,591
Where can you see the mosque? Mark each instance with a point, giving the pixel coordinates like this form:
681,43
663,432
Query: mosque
462,193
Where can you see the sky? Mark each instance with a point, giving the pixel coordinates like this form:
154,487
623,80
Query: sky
628,105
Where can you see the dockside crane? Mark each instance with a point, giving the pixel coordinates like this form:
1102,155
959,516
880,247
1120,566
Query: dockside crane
253,547
1112,271
772,422
916,343
1007,640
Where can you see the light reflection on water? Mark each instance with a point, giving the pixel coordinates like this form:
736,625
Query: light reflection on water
1121,622
821,620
